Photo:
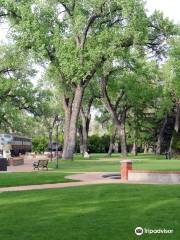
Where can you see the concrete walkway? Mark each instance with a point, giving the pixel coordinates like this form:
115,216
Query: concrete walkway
26,167
84,178
87,178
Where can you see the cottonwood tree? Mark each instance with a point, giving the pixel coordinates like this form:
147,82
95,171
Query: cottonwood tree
89,102
128,87
153,45
76,38
172,83
18,96
164,118
174,80
105,120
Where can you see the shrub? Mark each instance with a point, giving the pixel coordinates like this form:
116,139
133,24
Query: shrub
39,144
96,144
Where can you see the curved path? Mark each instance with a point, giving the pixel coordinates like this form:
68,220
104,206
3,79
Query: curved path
84,179
87,178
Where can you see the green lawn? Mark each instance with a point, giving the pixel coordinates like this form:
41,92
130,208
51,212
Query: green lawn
98,162
18,179
103,212
102,163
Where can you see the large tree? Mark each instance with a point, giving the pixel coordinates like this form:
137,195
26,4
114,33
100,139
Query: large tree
76,38
19,99
126,87
172,84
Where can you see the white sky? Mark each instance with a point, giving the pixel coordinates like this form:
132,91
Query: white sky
170,8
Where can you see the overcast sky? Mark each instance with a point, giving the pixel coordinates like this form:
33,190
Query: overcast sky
170,8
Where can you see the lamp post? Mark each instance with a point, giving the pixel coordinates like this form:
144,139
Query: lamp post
57,121
50,140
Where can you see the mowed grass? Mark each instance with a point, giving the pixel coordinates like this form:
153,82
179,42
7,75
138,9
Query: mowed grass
103,163
101,212
97,163
19,179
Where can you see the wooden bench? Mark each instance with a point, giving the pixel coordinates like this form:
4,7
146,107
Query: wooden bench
40,164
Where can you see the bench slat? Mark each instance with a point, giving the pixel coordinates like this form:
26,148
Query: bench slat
40,164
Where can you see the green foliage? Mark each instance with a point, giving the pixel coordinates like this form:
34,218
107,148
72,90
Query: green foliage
98,144
39,143
173,67
60,38
19,99
176,142
78,40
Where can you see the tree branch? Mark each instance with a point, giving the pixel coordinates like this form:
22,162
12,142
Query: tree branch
89,105
107,101
91,73
7,70
119,99
86,30
66,8
90,23
10,13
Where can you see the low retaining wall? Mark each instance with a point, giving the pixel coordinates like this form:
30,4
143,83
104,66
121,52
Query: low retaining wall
154,176
17,161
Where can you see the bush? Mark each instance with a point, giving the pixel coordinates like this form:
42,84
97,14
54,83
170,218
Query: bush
39,144
96,144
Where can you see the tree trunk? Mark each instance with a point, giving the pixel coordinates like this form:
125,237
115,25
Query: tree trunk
134,149
84,131
176,125
86,118
66,128
146,147
160,137
122,135
158,144
177,121
71,121
117,117
112,140
81,145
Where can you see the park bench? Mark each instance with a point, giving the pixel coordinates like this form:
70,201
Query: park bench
40,164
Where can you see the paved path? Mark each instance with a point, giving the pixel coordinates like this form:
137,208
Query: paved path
88,178
85,179
26,167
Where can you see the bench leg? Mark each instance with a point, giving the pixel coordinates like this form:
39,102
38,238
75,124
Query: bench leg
36,168
46,168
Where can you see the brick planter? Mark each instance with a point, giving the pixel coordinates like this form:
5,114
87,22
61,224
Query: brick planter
126,165
17,161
